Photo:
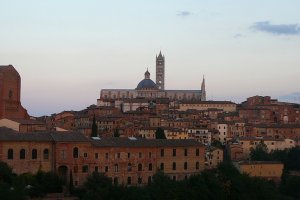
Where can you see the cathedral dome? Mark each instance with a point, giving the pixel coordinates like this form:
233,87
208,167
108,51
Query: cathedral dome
147,83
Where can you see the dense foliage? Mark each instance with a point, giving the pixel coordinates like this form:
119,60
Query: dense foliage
224,183
13,187
289,157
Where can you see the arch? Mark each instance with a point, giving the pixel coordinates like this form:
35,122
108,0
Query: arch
22,154
34,154
10,154
62,173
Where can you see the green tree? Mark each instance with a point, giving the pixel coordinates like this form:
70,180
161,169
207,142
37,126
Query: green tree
116,133
98,187
260,153
94,128
160,133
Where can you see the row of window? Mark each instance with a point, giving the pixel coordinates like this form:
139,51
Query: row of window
174,166
85,168
22,154
118,155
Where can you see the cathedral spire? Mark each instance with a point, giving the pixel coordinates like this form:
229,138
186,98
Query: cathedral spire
203,92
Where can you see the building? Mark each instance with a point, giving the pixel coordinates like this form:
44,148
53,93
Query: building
10,90
265,169
147,88
213,157
128,161
226,106
23,125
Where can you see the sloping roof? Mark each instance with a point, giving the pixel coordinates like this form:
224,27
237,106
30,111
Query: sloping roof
141,142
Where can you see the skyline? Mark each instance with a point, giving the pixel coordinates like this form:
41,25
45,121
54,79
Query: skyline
66,52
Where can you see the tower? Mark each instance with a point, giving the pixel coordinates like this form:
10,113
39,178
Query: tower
203,92
160,71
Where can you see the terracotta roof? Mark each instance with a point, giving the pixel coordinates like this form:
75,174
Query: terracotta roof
141,142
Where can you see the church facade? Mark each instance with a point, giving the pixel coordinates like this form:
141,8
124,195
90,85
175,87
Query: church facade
149,89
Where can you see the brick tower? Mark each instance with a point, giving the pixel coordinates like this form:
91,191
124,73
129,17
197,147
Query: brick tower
10,93
160,71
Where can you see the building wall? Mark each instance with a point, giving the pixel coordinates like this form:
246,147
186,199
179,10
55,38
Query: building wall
10,124
28,164
227,107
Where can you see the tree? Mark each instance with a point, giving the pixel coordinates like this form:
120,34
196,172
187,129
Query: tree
116,133
260,153
94,128
160,133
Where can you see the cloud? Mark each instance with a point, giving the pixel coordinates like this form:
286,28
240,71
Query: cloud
238,36
276,29
184,14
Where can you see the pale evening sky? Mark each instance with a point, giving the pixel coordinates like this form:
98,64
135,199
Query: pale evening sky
67,50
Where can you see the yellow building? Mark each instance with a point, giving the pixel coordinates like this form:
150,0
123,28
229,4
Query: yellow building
266,169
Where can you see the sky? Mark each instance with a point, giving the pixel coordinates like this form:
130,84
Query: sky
66,51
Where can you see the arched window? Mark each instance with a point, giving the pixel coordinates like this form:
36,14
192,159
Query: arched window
150,167
10,154
75,152
174,166
34,154
129,167
197,165
46,154
140,167
22,154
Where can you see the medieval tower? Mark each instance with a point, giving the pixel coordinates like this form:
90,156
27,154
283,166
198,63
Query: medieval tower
160,71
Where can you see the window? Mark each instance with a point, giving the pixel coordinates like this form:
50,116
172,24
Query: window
22,154
197,165
85,155
118,155
63,154
197,152
75,152
128,155
174,178
129,180
46,154
185,165
162,152
129,167
149,179
150,154
34,154
140,180
140,167
185,152
162,166
85,169
75,169
174,166
116,168
150,167
10,94
10,154
106,169
140,154
96,155
174,152
106,155
96,169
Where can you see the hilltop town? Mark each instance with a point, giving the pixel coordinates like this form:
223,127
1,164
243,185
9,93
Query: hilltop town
129,135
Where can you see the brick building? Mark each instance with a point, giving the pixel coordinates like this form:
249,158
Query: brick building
10,94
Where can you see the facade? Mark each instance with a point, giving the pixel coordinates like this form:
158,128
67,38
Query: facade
10,94
128,161
147,88
265,169
23,125
226,106
213,157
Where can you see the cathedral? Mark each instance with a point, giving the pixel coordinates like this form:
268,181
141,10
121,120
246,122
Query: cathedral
149,89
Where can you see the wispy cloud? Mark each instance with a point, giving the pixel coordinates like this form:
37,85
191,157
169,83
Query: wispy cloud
276,29
238,36
184,14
